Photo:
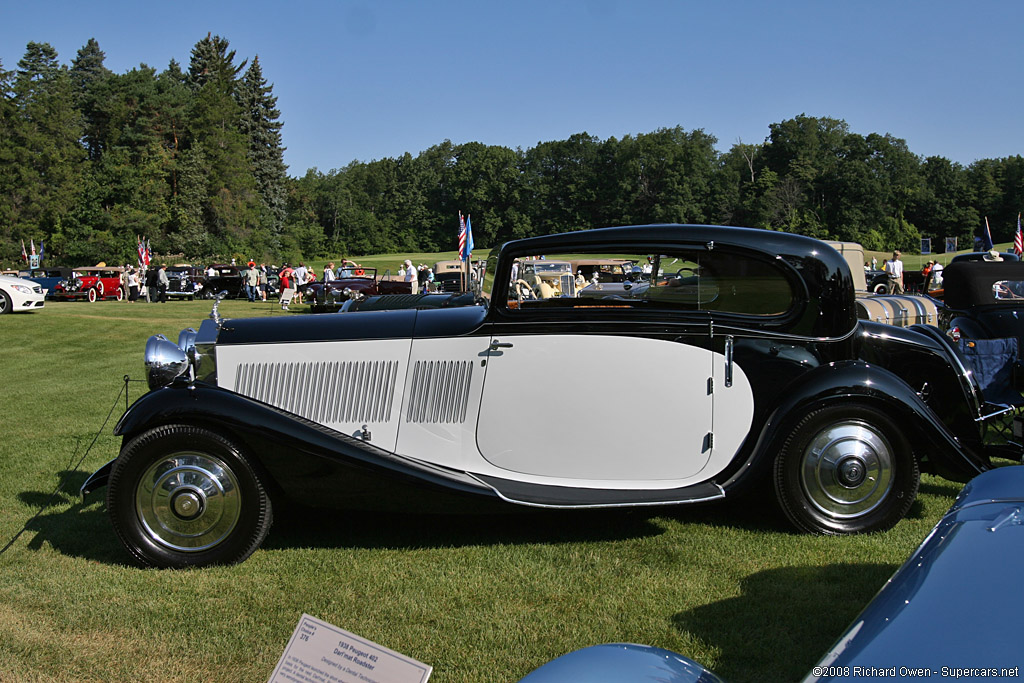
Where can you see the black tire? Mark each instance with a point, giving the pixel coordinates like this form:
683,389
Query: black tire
120,293
93,295
846,470
881,289
184,496
5,303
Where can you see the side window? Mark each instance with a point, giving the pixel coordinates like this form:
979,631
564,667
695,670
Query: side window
690,280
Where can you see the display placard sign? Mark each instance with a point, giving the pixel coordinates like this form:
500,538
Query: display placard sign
319,652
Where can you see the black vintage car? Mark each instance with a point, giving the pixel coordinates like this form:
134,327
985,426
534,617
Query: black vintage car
754,371
226,278
982,313
356,281
185,282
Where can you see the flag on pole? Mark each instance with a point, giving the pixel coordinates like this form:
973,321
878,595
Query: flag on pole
42,250
32,243
149,253
465,238
986,238
141,250
1018,239
24,254
462,236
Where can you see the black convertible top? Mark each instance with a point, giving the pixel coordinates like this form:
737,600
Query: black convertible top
969,283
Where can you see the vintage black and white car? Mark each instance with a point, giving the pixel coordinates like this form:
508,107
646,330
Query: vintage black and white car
752,366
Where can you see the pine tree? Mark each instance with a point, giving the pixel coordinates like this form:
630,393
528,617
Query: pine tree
87,74
260,125
46,138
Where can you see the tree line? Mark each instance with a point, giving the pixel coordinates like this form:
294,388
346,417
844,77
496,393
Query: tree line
193,160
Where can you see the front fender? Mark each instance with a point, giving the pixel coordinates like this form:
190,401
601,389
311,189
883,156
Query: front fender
856,381
305,461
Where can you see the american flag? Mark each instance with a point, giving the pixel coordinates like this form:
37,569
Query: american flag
1018,239
33,245
465,238
141,249
149,253
462,237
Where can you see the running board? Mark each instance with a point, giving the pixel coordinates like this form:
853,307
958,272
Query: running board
541,495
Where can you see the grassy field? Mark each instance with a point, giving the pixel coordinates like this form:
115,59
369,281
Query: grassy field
478,598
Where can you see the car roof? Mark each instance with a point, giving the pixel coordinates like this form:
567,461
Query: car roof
969,283
981,256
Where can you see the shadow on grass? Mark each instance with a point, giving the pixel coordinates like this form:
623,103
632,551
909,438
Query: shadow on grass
785,620
297,527
81,530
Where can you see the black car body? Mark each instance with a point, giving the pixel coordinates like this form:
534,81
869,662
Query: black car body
754,366
185,282
225,278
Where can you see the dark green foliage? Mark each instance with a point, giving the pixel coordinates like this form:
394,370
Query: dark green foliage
193,160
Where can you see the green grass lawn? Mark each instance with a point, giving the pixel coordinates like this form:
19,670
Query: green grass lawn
478,598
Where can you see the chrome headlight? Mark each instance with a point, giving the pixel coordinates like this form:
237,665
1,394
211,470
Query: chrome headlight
165,361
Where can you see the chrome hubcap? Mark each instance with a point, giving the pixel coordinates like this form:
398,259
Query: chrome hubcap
188,501
847,469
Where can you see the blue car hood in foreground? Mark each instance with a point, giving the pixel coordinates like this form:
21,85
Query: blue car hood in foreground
952,610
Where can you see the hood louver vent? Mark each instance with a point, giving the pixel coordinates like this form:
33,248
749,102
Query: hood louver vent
338,392
439,391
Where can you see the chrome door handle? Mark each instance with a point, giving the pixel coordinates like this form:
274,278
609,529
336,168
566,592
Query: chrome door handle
500,345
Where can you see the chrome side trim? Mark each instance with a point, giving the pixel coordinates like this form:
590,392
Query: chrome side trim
439,392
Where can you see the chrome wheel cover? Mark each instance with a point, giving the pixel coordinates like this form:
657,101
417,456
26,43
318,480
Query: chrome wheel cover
188,501
847,469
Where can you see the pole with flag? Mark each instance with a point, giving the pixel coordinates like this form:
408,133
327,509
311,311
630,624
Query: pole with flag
42,250
986,238
1018,239
24,254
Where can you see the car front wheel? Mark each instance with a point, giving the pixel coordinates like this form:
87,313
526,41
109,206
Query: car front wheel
845,470
184,496
5,303
93,295
120,293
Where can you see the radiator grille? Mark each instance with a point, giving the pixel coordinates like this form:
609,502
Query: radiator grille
324,392
439,392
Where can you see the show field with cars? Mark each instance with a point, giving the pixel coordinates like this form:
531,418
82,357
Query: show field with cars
690,580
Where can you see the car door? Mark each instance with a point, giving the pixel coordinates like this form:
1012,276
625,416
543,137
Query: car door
596,407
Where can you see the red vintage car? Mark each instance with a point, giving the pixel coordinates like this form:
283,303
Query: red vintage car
327,297
92,283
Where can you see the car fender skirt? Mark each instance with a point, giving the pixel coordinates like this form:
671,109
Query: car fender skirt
856,381
308,462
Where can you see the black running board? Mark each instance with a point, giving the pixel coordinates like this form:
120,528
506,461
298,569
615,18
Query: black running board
541,495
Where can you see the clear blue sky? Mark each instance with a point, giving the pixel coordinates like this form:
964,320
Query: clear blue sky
363,80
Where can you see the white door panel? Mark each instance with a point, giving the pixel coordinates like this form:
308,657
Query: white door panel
597,408
343,385
441,398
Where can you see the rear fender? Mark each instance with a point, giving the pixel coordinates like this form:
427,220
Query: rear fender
846,382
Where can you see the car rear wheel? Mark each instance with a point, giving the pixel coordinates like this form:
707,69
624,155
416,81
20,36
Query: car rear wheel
881,289
184,496
845,470
93,295
5,303
120,293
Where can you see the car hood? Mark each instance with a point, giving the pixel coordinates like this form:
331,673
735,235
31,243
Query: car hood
381,324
